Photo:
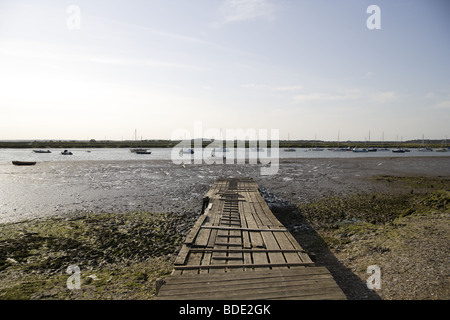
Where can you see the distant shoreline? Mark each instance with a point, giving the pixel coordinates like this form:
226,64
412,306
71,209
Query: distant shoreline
48,144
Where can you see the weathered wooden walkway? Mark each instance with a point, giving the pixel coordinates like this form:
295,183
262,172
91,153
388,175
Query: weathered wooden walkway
237,249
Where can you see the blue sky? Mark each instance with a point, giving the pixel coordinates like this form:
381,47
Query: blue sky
307,68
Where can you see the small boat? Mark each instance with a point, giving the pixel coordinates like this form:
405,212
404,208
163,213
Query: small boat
136,150
424,148
66,153
399,150
441,150
340,149
143,152
289,149
189,151
372,149
24,163
360,150
315,149
42,151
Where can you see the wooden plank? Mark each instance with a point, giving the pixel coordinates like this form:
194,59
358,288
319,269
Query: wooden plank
206,260
244,229
202,237
221,241
243,250
271,243
324,290
306,283
212,238
191,236
257,283
284,242
239,284
255,265
255,238
235,257
195,259
302,254
182,255
266,273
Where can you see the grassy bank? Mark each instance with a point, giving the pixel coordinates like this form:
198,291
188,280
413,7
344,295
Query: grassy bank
406,233
120,255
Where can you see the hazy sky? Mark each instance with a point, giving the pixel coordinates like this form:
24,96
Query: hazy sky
101,69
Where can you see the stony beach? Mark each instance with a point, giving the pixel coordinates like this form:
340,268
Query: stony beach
123,222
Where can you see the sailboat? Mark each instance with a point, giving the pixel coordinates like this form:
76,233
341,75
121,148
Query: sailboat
442,148
382,144
399,149
315,148
289,149
139,150
371,149
424,148
339,148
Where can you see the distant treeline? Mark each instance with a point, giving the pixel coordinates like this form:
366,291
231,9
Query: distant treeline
67,144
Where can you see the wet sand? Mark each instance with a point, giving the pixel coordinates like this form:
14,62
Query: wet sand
63,188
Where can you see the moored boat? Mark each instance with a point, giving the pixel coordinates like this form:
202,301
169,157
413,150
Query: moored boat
360,150
24,163
42,151
66,153
189,151
136,150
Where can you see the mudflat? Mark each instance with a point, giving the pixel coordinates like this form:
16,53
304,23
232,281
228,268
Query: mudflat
62,188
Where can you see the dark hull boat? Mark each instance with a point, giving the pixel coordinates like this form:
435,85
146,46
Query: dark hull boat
138,150
42,151
24,163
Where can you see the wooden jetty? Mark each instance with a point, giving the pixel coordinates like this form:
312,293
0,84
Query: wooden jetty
237,249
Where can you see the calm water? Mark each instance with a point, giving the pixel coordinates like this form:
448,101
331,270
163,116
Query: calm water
114,154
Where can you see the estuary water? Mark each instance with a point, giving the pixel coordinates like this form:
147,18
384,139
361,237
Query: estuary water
118,154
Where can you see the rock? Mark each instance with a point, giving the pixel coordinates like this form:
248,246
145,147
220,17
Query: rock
93,277
159,283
